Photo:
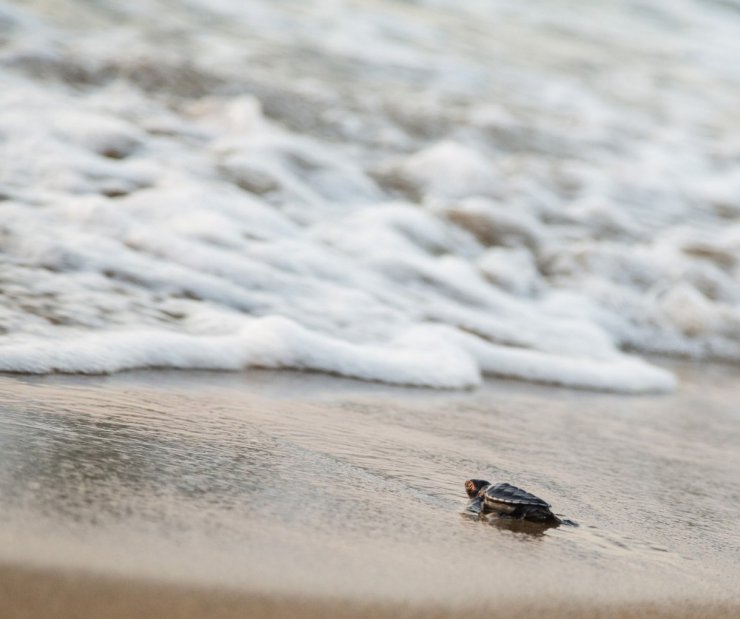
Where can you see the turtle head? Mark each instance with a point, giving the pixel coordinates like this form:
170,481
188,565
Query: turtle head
473,486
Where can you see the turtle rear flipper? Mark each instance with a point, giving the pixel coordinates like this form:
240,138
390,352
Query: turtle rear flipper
536,513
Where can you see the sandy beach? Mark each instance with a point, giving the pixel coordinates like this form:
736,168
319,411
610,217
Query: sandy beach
191,494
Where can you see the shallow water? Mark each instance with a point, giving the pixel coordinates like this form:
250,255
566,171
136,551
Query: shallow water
302,483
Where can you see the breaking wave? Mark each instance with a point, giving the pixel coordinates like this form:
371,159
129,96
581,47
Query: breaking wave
416,193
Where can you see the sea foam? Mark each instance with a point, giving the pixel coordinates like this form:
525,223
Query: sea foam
392,196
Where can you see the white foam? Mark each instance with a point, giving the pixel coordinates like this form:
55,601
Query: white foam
620,373
404,209
264,343
449,170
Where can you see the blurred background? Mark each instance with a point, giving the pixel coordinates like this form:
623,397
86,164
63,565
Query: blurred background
418,192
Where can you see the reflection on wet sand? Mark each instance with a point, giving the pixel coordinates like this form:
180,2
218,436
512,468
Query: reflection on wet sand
522,528
86,470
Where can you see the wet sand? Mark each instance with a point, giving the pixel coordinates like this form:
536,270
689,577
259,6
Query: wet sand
36,593
167,493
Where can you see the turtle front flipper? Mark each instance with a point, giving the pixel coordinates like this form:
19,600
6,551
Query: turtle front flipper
476,506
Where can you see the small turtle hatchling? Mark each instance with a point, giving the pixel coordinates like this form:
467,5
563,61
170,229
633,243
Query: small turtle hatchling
508,501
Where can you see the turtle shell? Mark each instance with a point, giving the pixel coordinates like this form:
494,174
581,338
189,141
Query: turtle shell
506,493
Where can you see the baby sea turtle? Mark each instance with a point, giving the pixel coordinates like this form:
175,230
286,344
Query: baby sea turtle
508,501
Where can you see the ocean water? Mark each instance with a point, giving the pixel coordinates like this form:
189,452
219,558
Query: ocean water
410,192
301,484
